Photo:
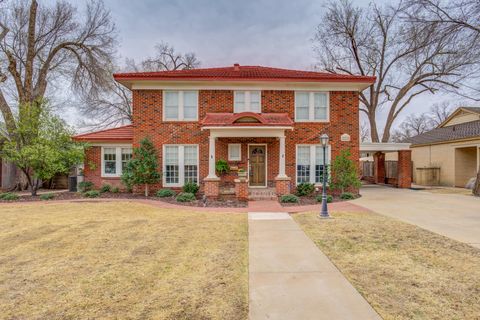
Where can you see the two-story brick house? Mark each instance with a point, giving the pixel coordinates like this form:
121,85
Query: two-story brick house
264,120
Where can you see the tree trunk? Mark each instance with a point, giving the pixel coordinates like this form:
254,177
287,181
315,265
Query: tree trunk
476,186
146,190
373,128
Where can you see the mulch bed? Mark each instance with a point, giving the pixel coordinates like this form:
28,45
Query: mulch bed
305,201
229,203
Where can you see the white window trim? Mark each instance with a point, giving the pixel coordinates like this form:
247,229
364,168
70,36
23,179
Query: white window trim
239,145
248,107
181,164
311,107
312,161
180,105
118,160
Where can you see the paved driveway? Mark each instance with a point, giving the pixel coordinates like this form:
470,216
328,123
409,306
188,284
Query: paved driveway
453,215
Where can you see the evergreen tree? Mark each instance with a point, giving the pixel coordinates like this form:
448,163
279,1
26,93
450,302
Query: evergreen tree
142,168
344,172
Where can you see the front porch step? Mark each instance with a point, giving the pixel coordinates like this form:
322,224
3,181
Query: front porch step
262,194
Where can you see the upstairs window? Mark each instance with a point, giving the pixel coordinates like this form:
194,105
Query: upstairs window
180,106
247,101
311,106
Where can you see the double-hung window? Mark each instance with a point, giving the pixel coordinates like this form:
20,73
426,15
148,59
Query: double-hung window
310,165
114,160
180,164
234,152
311,106
180,106
247,101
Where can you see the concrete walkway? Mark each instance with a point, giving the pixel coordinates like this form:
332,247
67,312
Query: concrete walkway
290,278
456,216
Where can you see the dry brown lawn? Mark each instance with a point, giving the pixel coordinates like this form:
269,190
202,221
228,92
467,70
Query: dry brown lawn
121,261
403,271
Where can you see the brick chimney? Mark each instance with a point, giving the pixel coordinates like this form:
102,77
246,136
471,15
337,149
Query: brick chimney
236,67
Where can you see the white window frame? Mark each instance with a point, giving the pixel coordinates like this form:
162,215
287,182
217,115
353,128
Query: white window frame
311,106
248,107
180,105
181,164
312,161
118,160
230,146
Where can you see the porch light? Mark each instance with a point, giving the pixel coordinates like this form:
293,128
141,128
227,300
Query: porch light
324,141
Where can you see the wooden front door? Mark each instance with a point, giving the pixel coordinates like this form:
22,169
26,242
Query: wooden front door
257,157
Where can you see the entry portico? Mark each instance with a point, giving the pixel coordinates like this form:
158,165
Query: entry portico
256,132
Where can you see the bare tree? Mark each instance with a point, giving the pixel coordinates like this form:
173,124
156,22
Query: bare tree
412,126
165,58
114,105
439,112
407,59
47,44
364,132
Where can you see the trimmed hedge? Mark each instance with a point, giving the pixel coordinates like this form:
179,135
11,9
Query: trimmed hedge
105,188
9,196
47,196
191,187
347,196
329,198
165,193
185,197
305,189
91,194
289,198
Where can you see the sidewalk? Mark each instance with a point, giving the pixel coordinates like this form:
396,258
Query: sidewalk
290,278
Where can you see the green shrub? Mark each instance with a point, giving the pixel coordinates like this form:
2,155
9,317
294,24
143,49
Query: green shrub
344,172
115,190
91,194
222,166
191,187
9,196
47,196
85,186
165,193
329,198
289,198
347,196
185,197
305,189
105,188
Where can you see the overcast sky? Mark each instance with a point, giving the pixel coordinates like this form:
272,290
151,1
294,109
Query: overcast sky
250,32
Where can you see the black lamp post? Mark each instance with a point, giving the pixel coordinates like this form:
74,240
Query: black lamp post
324,213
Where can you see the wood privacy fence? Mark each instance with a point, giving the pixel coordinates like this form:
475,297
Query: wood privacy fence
367,169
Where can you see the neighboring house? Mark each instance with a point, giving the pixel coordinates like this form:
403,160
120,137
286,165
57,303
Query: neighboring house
450,153
265,120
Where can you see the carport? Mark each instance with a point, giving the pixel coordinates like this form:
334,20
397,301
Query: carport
379,171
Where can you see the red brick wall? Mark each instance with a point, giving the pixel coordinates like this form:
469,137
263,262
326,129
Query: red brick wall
147,121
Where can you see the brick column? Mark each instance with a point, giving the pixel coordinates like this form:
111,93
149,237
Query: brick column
241,189
404,167
282,186
379,167
212,189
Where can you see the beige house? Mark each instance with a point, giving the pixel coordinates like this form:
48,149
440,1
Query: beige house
448,155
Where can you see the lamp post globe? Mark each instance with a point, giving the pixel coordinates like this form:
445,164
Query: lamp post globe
324,212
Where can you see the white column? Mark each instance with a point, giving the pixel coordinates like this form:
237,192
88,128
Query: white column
211,158
281,162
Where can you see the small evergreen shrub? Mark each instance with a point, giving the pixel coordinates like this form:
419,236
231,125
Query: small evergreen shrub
91,194
105,188
191,187
222,166
289,198
9,196
185,197
115,190
347,196
165,193
85,186
305,189
329,198
47,196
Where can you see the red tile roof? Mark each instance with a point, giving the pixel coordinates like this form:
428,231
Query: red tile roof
244,73
120,134
247,119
